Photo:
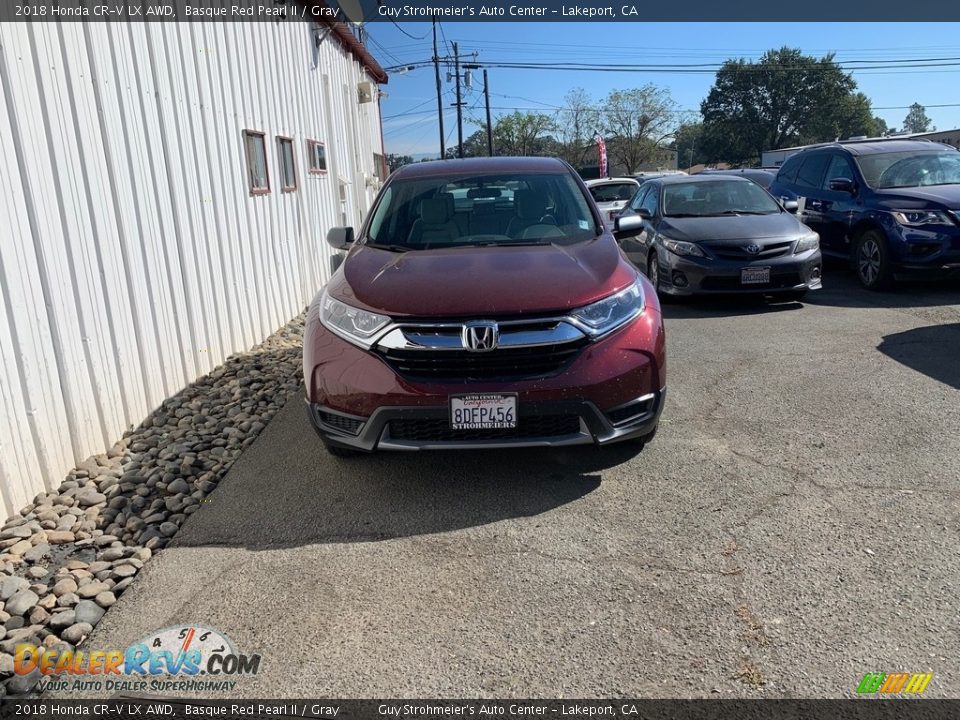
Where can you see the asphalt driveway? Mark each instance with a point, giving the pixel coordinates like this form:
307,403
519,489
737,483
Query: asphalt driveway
793,526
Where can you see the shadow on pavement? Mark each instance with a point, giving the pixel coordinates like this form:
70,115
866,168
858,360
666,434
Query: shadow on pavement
933,350
841,289
725,306
287,491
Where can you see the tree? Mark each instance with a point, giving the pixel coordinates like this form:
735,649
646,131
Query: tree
524,133
688,142
637,122
881,126
395,161
916,120
576,126
785,98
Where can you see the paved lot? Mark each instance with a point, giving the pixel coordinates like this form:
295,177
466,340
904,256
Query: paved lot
793,526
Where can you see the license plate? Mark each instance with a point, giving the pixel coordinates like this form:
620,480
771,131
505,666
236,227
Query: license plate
483,412
755,276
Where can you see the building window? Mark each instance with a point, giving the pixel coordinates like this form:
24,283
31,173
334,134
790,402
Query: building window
380,166
316,157
288,169
258,178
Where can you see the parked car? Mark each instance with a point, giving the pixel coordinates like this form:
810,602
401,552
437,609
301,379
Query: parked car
489,327
762,177
718,234
890,207
612,195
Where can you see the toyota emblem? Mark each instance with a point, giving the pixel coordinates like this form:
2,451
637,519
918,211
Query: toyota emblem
753,248
480,336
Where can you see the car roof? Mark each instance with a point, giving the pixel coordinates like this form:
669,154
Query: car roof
611,181
740,171
699,178
875,147
480,166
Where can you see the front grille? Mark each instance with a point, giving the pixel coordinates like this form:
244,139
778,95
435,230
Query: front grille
438,429
341,422
778,281
505,363
739,252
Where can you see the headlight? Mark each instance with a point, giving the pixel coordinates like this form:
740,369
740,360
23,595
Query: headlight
349,322
610,313
807,242
922,217
678,247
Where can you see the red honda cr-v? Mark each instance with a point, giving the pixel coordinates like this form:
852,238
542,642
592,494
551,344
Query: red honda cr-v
483,304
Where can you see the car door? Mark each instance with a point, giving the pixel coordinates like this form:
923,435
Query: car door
635,246
808,186
837,207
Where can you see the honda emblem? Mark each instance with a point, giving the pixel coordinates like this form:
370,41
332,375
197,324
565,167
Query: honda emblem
480,336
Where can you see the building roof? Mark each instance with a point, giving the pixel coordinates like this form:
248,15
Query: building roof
345,37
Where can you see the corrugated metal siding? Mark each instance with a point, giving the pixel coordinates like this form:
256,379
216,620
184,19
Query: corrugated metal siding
132,257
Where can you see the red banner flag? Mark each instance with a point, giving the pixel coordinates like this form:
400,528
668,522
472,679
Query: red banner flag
601,154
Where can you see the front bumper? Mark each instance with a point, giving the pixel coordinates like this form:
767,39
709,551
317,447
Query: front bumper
539,424
361,399
681,275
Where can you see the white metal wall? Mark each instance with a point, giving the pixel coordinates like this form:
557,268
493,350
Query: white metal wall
133,259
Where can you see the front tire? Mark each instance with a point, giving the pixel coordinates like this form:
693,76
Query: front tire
872,262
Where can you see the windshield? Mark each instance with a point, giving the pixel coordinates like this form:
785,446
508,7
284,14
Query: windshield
910,169
613,192
721,197
502,209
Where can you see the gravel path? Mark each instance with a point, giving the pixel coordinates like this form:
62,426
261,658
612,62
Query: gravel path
67,556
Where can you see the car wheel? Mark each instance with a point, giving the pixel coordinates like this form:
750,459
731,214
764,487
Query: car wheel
653,271
872,261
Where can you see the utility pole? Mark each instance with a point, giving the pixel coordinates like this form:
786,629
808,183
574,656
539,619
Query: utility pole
486,97
436,69
459,103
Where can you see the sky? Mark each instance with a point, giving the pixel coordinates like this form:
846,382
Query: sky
410,107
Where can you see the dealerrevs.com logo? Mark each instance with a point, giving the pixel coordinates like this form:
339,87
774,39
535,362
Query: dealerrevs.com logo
894,683
174,658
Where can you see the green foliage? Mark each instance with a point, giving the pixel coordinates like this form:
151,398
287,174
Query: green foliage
916,120
786,98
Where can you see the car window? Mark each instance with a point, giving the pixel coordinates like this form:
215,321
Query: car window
811,171
721,197
613,192
638,198
421,213
911,169
839,168
651,200
788,172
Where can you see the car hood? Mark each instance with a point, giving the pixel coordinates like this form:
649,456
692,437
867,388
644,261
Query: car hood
920,198
471,281
732,227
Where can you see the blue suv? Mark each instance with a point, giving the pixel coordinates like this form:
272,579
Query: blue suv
891,207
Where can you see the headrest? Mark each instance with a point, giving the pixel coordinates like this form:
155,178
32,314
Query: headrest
435,211
483,192
451,203
530,205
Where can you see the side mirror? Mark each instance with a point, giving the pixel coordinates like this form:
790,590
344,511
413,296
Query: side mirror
791,206
628,224
843,185
340,238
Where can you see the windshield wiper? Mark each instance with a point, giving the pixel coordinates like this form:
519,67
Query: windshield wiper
683,215
391,248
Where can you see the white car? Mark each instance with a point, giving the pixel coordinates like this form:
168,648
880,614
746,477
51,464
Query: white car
612,195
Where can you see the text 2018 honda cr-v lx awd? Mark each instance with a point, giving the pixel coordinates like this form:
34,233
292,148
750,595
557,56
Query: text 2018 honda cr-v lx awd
483,304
